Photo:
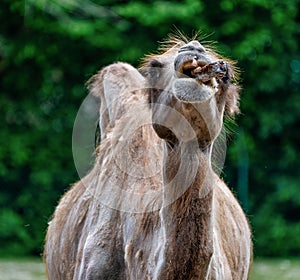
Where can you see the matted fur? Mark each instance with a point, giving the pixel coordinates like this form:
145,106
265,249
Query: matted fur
140,215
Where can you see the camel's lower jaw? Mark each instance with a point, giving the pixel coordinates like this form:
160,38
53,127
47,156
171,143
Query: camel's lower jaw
190,90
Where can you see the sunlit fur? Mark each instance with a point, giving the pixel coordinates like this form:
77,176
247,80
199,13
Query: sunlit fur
131,217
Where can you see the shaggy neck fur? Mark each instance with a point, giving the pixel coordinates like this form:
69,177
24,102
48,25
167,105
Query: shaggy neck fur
187,211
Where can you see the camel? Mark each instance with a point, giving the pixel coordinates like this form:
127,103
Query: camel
152,207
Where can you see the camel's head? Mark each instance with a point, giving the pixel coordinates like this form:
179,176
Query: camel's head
190,89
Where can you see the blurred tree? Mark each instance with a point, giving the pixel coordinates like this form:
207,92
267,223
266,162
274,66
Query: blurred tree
48,49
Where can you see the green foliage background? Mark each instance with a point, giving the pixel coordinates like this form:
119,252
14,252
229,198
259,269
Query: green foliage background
48,50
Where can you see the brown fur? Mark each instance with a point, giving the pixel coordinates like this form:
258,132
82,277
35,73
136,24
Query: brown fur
152,207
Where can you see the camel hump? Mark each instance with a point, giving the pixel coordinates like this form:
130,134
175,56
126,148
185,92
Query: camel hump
116,85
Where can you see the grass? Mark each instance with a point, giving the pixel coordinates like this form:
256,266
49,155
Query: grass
28,269
274,269
263,269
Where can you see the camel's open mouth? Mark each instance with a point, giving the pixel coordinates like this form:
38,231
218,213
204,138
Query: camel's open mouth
206,74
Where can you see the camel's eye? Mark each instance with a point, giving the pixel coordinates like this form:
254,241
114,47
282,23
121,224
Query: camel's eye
155,63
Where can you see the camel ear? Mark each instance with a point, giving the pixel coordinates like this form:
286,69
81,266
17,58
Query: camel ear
232,90
152,71
232,100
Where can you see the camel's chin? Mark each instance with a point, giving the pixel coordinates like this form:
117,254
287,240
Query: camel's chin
198,91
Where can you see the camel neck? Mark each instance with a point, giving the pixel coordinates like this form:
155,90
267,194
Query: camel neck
187,212
186,171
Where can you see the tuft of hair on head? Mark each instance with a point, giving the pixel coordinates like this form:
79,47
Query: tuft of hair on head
177,39
174,40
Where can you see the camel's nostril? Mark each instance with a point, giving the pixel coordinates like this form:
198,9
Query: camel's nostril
201,63
192,46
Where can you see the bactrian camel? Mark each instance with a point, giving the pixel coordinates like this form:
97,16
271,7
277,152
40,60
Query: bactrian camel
152,206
